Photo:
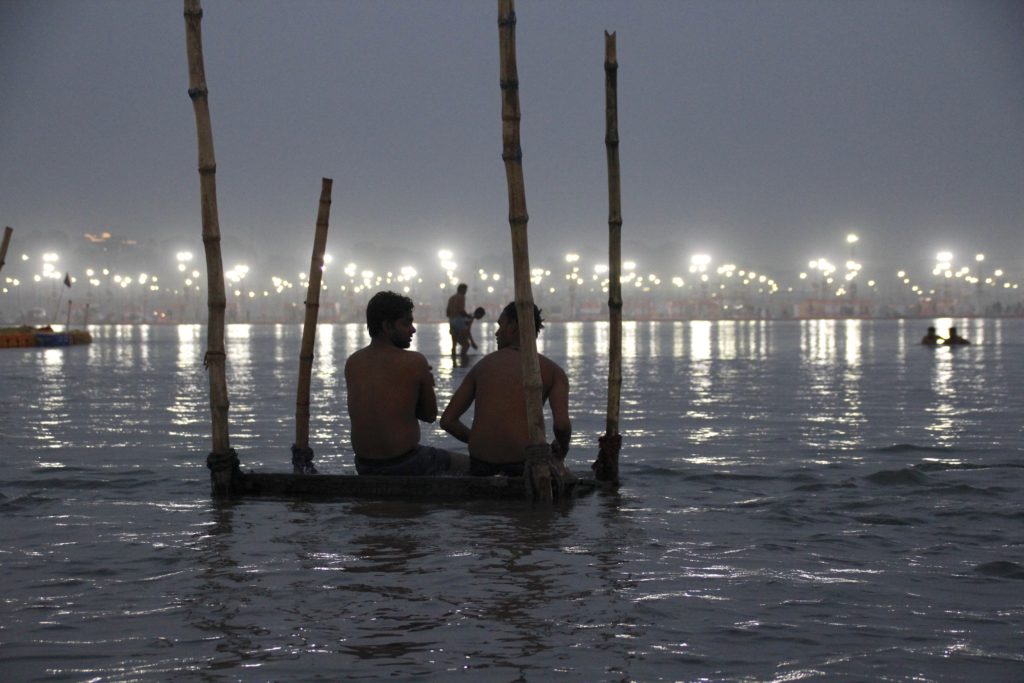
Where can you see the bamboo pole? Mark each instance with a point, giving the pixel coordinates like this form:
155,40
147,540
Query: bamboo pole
67,322
538,453
302,454
222,461
8,231
606,467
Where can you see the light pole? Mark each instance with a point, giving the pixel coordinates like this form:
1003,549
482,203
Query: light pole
184,258
573,277
852,267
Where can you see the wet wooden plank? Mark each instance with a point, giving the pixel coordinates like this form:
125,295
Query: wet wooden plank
342,486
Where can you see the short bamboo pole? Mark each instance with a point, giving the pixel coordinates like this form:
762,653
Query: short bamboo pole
8,231
222,461
606,468
302,454
538,455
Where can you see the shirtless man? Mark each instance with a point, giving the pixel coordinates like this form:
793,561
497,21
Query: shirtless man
456,313
390,391
499,435
931,338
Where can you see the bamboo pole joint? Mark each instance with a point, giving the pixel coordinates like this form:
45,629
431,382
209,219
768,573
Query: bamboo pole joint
508,19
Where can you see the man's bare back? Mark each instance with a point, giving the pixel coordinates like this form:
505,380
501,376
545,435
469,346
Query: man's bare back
500,432
389,391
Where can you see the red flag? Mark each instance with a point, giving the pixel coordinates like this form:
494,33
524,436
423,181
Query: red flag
67,280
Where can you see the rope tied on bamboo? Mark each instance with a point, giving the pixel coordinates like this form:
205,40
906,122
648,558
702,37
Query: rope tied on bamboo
538,457
220,462
199,91
508,20
302,460
206,358
196,13
514,155
509,84
606,466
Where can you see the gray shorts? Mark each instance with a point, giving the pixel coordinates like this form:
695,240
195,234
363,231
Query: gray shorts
421,461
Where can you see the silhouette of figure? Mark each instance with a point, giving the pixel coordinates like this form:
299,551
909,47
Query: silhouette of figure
955,339
932,338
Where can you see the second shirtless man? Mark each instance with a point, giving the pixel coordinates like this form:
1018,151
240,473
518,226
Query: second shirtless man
499,435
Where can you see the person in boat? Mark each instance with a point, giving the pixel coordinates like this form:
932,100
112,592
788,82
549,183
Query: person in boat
932,338
464,331
456,312
499,435
954,339
390,391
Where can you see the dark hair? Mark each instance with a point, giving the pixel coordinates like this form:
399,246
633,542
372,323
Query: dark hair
463,287
384,307
512,315
479,312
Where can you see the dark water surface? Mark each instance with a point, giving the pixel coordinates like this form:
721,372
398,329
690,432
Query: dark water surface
801,500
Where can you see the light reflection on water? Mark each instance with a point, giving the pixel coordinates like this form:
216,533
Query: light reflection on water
795,493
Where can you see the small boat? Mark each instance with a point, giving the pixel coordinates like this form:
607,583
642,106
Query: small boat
26,336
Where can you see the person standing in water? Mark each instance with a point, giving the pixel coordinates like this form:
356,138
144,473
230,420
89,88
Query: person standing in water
932,338
954,339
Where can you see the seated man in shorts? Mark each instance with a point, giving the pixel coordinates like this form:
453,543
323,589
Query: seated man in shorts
499,433
390,391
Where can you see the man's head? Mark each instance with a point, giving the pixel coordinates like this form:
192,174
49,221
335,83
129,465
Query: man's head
508,325
390,314
462,288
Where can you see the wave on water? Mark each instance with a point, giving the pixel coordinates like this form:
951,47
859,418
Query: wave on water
891,520
903,477
1001,568
910,447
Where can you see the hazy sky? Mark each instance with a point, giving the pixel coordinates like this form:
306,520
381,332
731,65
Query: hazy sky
759,131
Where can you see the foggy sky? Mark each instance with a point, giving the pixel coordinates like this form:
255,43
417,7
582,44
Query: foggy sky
762,131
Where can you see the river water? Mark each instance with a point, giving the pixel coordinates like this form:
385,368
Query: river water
800,500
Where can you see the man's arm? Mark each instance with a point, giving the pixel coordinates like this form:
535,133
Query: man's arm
426,404
558,399
457,407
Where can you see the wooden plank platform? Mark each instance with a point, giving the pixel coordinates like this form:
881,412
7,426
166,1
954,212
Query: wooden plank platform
343,486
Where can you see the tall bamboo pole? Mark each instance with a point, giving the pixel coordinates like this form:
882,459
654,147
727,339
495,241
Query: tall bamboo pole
8,231
302,454
606,467
538,455
222,461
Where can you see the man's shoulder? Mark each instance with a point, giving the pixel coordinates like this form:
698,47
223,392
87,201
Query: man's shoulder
551,368
356,356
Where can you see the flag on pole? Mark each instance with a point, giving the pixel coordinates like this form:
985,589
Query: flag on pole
67,280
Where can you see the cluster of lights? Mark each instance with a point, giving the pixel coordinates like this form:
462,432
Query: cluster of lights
710,279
